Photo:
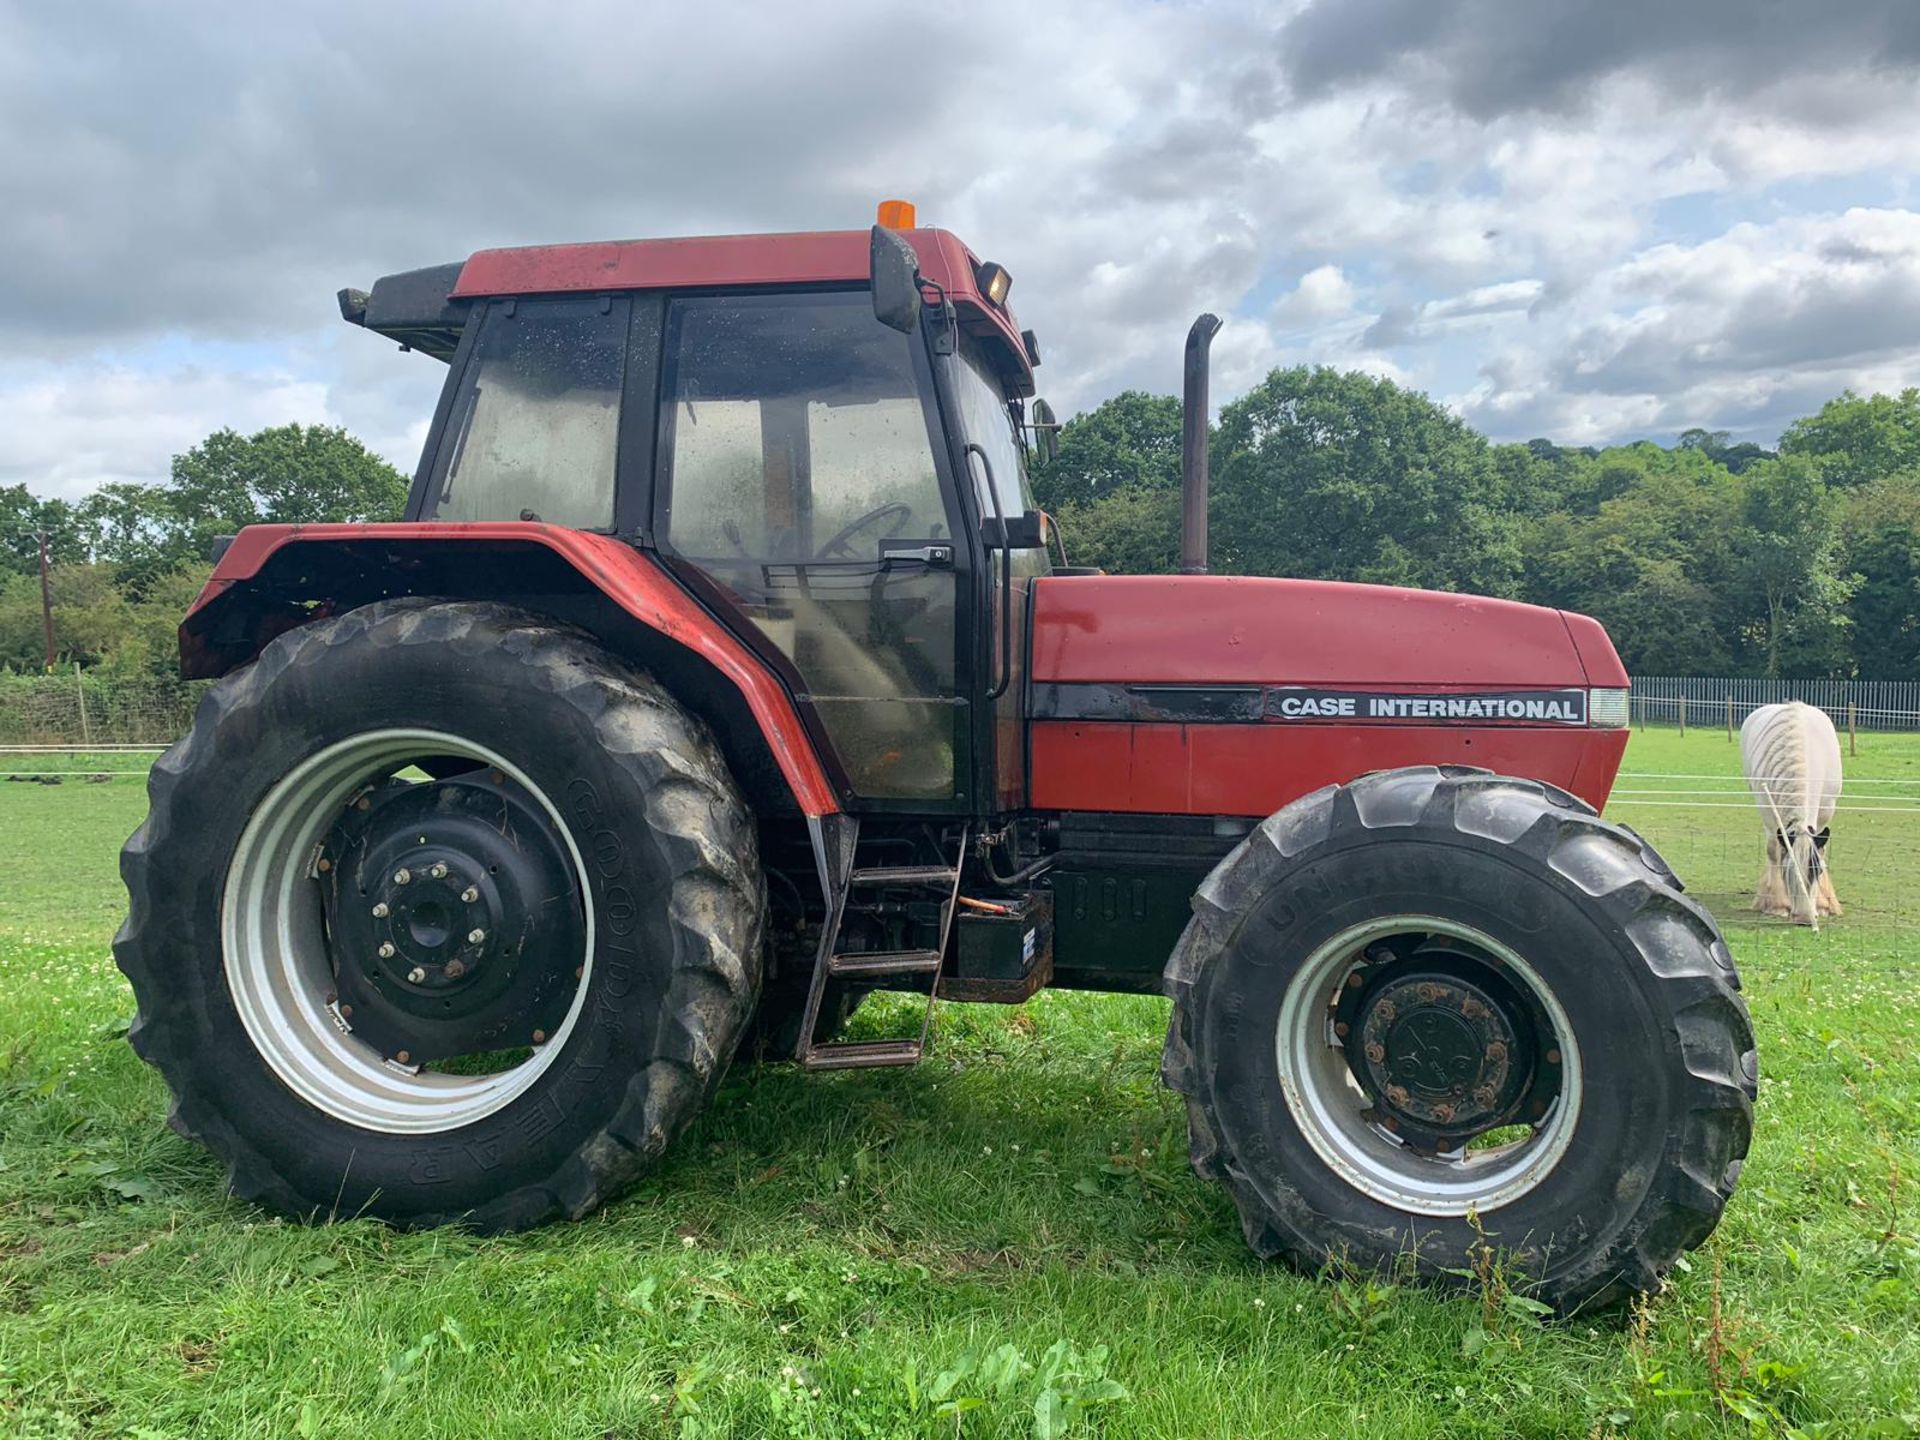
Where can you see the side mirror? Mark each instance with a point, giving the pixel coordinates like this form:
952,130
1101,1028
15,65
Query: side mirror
894,273
1046,432
1015,532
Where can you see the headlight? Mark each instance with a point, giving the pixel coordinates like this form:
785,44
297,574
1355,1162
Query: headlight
995,282
1607,709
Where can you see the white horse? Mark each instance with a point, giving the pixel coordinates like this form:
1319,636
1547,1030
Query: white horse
1792,759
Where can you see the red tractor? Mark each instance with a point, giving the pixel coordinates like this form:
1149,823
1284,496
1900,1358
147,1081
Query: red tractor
723,672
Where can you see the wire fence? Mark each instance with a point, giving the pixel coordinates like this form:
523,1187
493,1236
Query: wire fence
1699,701
90,710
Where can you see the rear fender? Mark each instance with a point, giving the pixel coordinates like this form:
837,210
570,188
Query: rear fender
273,578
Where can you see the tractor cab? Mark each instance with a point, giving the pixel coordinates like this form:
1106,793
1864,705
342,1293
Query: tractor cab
841,484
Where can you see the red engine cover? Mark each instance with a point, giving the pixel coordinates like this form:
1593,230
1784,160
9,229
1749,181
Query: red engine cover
1231,695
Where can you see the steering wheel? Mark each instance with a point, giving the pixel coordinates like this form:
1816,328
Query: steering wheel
894,510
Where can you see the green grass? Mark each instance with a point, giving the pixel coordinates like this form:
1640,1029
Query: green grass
821,1249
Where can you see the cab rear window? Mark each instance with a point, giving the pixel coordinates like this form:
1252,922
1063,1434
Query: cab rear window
533,433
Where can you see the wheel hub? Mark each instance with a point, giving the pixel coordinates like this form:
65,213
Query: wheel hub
1443,1047
454,920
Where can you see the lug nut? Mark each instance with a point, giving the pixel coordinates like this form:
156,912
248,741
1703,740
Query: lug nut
402,876
1496,1050
456,968
470,894
438,872
380,911
1397,1094
476,935
1483,1097
362,803
403,1057
1443,1113
1376,1052
416,975
386,949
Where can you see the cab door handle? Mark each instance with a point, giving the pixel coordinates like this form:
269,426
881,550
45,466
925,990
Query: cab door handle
937,557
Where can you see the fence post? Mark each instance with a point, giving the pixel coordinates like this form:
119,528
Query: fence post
1729,719
1683,714
1853,737
80,688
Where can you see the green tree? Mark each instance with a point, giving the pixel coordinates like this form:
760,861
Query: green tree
1346,476
1133,531
288,475
1880,539
1855,440
22,519
1789,563
1651,563
1129,442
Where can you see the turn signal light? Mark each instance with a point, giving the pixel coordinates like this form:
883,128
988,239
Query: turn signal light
895,215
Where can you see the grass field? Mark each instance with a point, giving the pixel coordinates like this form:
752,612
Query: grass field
852,1255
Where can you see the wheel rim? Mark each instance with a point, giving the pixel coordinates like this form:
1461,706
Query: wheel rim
281,973
1469,1007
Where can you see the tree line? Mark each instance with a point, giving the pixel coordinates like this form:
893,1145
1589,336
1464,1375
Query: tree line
1706,557
1703,558
128,560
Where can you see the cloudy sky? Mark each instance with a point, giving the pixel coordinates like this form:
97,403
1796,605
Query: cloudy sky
1588,219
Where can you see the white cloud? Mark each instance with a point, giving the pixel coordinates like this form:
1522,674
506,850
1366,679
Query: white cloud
68,428
1739,332
1324,293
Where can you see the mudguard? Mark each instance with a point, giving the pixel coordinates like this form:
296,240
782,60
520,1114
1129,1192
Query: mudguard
239,612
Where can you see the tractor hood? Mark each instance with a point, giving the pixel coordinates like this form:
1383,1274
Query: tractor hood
1225,630
1228,695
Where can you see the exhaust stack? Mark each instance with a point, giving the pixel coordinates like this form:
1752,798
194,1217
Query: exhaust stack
1193,449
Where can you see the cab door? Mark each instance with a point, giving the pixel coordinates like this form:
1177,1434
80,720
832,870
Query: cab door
995,461
800,479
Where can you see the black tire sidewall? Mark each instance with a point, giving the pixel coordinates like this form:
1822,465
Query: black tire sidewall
1627,1052
474,685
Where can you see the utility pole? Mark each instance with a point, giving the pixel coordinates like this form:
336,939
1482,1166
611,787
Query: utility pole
46,602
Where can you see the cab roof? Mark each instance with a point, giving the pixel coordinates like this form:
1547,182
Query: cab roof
821,257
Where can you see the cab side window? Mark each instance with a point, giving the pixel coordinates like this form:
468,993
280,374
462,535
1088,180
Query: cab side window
533,433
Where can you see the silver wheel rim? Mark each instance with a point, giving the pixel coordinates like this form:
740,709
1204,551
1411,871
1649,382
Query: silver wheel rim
1329,1106
278,969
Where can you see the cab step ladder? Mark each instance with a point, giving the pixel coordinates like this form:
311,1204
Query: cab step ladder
842,881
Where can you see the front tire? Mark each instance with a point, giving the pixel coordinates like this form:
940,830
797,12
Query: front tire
440,914
1439,1011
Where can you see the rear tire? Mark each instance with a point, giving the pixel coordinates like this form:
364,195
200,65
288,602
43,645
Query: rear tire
1567,947
226,952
